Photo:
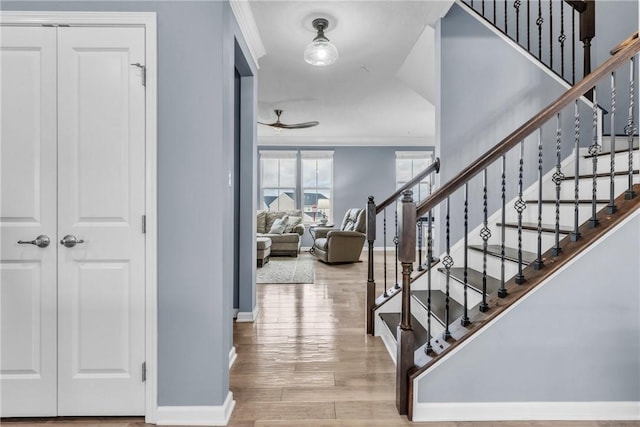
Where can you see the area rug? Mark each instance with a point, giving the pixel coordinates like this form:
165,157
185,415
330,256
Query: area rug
287,270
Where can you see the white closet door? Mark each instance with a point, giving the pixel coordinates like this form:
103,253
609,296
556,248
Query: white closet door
27,209
101,167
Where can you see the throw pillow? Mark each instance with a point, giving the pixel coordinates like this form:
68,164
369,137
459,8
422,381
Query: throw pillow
292,223
279,225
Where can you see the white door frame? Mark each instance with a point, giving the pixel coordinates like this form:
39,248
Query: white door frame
147,20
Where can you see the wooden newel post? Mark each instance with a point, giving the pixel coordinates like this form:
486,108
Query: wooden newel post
370,301
406,337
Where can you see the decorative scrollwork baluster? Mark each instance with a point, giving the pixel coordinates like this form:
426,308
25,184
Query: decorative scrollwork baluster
562,38
420,238
494,12
485,234
594,150
558,176
611,208
502,292
539,23
447,261
539,262
384,250
575,234
573,48
551,35
465,316
516,5
520,206
428,347
396,240
506,25
630,130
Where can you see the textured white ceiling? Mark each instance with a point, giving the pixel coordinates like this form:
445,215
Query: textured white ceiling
380,91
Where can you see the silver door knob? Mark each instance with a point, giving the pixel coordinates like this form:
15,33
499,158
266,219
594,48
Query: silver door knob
70,241
41,241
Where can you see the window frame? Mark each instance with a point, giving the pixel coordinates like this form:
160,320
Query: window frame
317,155
415,156
278,155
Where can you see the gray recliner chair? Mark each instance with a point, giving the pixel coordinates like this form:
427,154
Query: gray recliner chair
344,245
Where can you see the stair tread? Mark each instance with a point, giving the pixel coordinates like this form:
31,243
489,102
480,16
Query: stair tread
392,320
547,228
510,254
438,305
600,175
474,279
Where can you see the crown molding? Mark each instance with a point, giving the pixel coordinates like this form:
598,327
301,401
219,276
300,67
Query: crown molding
247,23
347,141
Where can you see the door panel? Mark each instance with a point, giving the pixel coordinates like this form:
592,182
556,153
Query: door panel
101,166
28,337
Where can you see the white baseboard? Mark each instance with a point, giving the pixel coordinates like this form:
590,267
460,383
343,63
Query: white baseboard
197,415
232,356
247,316
526,411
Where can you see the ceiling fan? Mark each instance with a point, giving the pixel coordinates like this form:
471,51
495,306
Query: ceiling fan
279,125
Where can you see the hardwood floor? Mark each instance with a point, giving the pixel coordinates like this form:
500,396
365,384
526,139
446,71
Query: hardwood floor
307,362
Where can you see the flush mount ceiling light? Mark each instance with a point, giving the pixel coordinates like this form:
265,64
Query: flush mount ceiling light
320,52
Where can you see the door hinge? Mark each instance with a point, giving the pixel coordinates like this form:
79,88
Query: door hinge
144,371
143,70
144,224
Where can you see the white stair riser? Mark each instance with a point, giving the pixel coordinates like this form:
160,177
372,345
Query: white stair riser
530,239
621,142
585,188
621,163
456,292
420,312
530,214
493,264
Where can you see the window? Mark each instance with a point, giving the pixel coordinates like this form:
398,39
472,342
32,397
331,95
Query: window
317,185
408,165
281,188
278,180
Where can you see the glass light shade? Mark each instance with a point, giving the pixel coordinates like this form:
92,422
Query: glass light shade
324,204
320,53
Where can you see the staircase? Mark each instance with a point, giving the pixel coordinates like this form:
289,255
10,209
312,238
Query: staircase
572,205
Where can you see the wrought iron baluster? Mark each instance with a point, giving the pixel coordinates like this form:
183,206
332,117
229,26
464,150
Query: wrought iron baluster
630,129
575,234
528,25
419,225
506,26
551,34
384,250
594,150
482,7
502,292
573,47
611,208
396,240
562,38
485,233
428,348
539,262
558,176
494,12
516,5
465,316
539,23
447,261
520,206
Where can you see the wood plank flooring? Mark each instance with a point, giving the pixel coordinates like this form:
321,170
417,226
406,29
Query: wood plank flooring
307,362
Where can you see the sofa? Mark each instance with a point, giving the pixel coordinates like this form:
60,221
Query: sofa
286,236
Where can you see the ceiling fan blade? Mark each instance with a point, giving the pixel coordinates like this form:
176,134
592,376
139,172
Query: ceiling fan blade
299,125
293,126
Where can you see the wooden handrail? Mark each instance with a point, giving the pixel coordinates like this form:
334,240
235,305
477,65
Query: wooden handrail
580,88
626,42
435,166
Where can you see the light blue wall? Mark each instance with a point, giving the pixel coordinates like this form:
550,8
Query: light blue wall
578,337
195,130
360,172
